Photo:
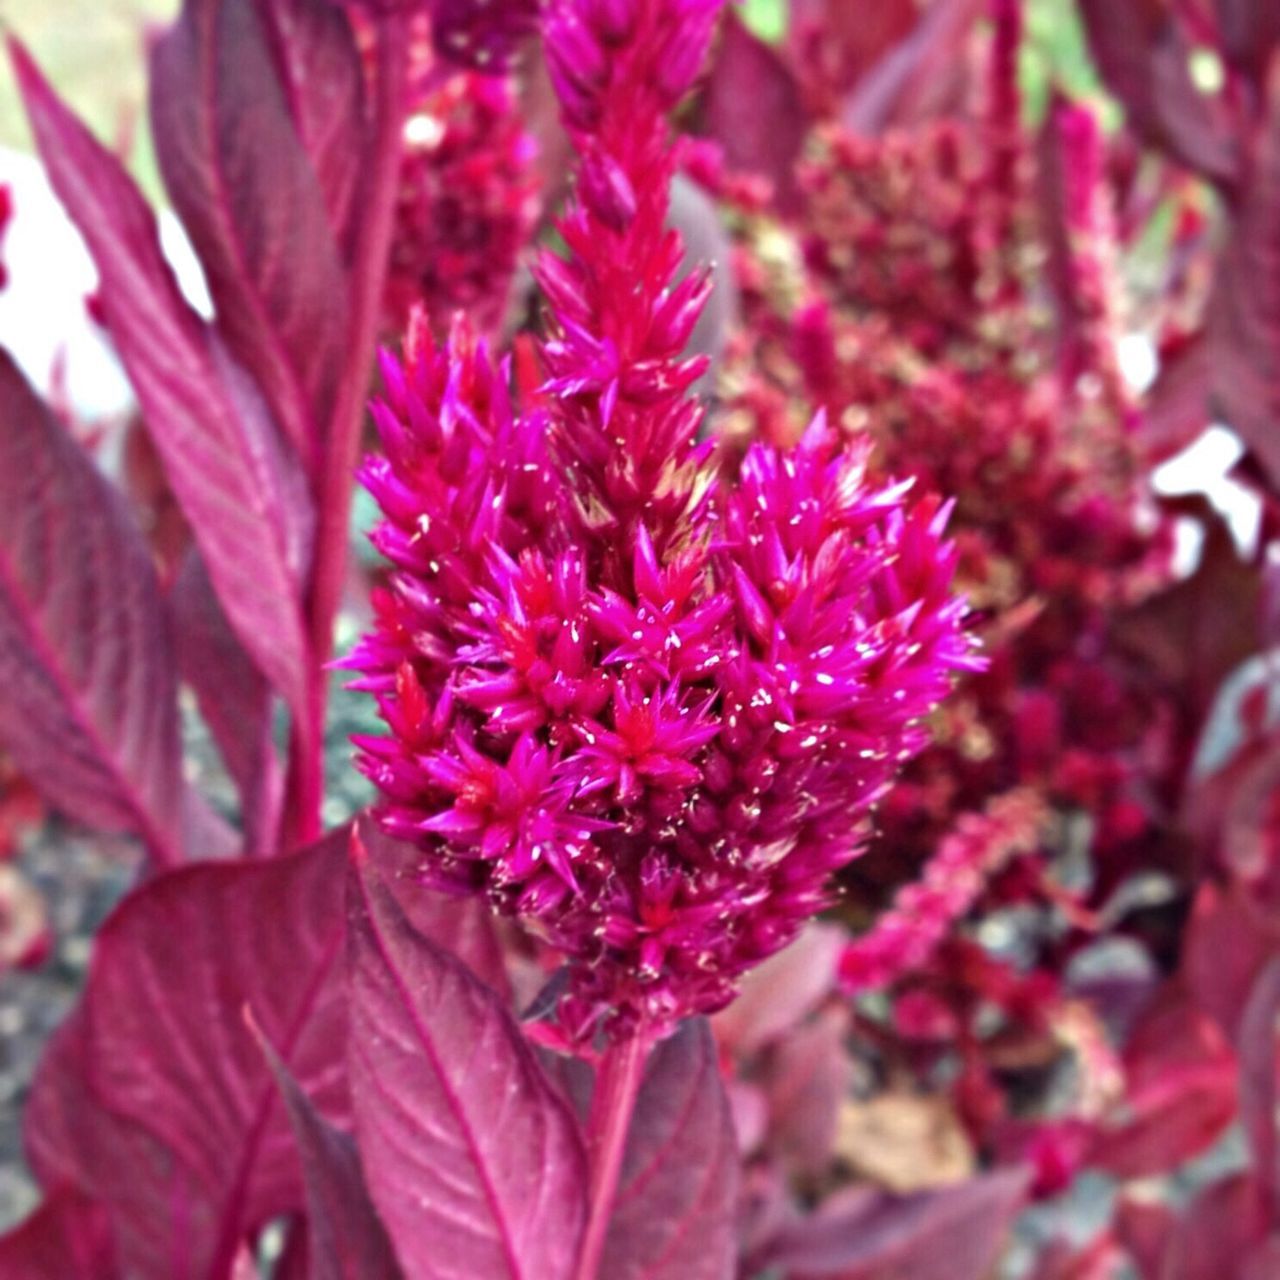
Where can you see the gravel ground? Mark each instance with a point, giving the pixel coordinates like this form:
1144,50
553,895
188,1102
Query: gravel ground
81,877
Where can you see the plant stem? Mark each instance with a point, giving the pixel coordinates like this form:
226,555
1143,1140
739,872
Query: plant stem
342,442
612,1104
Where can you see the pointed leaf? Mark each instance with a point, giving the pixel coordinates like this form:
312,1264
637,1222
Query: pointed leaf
474,1162
1244,331
1258,1084
156,1100
89,710
1145,58
464,927
347,1242
954,1234
241,493
753,107
1250,30
674,1217
68,1237
778,995
245,189
319,69
234,698
921,77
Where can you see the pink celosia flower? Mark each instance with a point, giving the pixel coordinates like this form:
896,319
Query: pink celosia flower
641,705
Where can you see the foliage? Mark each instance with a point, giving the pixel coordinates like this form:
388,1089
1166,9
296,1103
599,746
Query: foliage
850,593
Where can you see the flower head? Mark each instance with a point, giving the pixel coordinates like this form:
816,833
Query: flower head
642,704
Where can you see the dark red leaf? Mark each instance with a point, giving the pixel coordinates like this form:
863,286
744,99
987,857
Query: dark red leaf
1258,1085
319,69
247,193
808,1077
849,40
778,995
1244,331
1193,634
1180,1096
753,108
1227,944
675,1213
920,78
1143,1228
234,697
1177,407
155,1099
347,1242
464,927
1144,56
89,709
1220,1227
67,1238
1249,30
243,496
952,1234
474,1162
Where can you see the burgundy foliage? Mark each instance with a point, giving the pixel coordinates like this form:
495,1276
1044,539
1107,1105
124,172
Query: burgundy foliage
850,593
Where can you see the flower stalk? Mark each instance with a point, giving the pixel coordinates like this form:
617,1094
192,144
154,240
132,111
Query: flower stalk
613,1103
305,792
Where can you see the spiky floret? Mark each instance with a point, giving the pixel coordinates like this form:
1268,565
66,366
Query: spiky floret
640,705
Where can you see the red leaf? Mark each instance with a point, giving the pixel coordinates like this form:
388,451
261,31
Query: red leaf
778,995
1258,1084
347,1242
808,1077
1250,30
67,1238
246,191
1143,1228
1181,1090
1225,948
920,78
753,108
464,927
155,1098
323,81
234,697
952,1234
1177,406
675,1213
1144,56
89,710
1219,1228
1244,331
243,497
851,39
474,1162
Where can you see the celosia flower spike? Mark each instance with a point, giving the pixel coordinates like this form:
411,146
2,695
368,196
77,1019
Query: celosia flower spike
641,707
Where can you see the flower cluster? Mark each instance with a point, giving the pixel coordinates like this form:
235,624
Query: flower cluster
908,295
642,704
467,200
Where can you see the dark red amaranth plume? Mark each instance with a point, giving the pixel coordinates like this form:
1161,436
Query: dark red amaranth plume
642,707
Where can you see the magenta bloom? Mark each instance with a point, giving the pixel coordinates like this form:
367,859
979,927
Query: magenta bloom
642,705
